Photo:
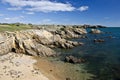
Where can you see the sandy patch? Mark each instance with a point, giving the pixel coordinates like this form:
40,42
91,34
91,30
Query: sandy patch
19,67
58,70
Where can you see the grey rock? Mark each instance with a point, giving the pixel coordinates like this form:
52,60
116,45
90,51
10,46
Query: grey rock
74,60
99,40
71,32
95,31
38,42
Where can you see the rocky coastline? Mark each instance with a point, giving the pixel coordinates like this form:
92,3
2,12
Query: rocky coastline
39,42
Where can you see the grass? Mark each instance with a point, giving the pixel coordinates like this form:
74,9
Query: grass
13,27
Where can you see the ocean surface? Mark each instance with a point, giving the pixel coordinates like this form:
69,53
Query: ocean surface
102,59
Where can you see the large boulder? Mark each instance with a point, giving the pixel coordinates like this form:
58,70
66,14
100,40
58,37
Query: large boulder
80,30
33,42
43,37
33,48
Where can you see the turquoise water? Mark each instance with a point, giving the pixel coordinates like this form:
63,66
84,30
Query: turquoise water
102,59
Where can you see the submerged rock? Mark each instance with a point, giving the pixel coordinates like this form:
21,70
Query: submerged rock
68,79
72,59
116,71
99,40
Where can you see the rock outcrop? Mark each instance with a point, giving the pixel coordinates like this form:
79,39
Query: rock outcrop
95,31
71,32
6,43
24,42
66,44
34,42
93,26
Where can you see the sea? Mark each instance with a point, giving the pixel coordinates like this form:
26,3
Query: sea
102,59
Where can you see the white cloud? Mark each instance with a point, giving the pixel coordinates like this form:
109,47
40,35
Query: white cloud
7,18
30,13
14,8
13,19
1,15
83,8
46,21
39,5
21,17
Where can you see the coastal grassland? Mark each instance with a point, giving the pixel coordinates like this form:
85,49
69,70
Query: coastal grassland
58,70
13,27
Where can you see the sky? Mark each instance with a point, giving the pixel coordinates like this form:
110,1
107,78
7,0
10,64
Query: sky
93,12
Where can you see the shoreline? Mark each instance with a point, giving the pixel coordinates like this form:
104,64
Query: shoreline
39,44
59,70
23,67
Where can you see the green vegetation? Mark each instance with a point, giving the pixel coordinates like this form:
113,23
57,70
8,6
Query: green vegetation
14,27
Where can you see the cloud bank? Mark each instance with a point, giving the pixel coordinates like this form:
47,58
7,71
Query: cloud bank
13,19
39,5
42,6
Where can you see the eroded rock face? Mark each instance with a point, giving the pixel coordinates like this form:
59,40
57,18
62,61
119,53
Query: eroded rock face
6,43
43,37
26,42
33,48
71,32
34,42
66,44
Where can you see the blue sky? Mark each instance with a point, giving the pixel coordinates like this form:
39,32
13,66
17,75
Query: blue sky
104,12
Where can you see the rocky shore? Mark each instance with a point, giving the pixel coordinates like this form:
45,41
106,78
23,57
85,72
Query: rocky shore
19,47
39,42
